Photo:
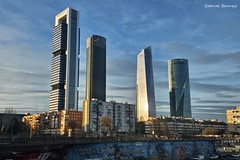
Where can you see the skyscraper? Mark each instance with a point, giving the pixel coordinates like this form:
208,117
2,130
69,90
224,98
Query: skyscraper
96,68
65,62
179,89
145,86
96,75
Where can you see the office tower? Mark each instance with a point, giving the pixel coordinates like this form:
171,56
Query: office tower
96,68
179,89
96,75
65,62
145,86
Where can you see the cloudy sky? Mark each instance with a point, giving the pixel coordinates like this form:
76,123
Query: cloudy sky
208,37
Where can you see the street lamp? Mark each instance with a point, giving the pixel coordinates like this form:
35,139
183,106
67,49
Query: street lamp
30,132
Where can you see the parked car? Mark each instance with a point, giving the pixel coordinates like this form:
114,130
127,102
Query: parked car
214,156
236,155
199,157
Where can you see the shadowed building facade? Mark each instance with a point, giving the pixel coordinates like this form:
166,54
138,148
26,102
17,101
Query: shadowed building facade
179,89
145,105
65,62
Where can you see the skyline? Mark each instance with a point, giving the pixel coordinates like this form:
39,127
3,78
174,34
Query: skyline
207,37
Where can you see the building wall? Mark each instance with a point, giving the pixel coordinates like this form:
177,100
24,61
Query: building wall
70,120
233,120
179,89
233,116
145,95
176,126
120,115
54,120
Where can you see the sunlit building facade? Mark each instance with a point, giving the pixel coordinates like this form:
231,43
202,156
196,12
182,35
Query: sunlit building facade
180,126
70,120
233,116
96,68
145,96
65,62
179,89
233,119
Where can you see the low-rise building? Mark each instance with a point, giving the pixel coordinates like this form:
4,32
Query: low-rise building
110,117
178,126
233,120
63,122
233,116
69,121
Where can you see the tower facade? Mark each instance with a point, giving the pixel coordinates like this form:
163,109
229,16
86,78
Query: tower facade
145,86
179,89
65,62
96,68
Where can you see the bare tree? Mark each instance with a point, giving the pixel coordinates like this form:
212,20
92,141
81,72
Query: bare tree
106,124
209,131
167,130
10,110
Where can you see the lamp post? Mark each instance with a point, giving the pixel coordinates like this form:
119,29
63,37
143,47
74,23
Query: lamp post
30,132
12,128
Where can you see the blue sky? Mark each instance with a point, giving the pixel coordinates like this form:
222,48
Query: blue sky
208,37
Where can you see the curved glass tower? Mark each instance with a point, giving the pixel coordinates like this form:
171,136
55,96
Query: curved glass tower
145,86
179,89
65,62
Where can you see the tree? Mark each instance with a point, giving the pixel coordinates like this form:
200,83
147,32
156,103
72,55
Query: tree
106,124
167,130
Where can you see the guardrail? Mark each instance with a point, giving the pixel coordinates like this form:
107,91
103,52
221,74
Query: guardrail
77,140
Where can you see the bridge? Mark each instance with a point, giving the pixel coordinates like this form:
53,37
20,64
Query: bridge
55,142
79,147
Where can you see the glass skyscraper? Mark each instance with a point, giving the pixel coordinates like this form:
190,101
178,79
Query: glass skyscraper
96,68
65,62
179,89
145,86
96,76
